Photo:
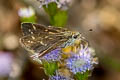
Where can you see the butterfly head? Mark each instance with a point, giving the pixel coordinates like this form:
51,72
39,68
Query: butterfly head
76,35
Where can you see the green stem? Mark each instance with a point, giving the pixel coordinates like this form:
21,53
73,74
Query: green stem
57,16
82,76
50,67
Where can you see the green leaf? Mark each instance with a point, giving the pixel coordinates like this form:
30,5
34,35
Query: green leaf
57,16
50,67
60,19
51,8
82,76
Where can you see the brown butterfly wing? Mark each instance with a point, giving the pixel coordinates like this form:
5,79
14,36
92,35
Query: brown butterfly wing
41,39
29,28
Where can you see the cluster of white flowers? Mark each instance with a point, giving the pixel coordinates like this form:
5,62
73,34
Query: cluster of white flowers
26,12
60,3
83,61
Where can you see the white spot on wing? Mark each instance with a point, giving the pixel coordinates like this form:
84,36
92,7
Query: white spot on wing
33,37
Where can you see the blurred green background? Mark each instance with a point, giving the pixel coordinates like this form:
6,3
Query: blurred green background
97,20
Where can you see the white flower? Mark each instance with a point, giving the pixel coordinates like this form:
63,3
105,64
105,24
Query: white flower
82,61
26,12
60,3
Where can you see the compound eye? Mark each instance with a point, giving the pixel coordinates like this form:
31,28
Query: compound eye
75,36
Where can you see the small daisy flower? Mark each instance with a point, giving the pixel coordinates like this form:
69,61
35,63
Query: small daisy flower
54,55
80,62
60,3
26,12
64,4
46,2
6,60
